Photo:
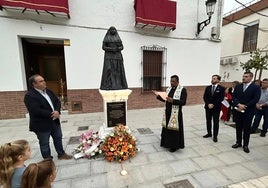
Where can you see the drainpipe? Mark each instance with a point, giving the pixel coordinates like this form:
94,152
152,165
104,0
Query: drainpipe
197,18
216,31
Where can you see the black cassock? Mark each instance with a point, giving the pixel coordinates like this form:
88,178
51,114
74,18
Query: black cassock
172,138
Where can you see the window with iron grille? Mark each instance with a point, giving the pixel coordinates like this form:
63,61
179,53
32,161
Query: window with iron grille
250,38
152,68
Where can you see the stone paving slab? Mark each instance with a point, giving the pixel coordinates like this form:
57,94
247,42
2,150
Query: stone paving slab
237,173
208,161
134,176
160,157
259,166
147,148
231,157
184,166
211,178
98,181
224,147
190,142
156,171
203,162
185,153
206,149
148,139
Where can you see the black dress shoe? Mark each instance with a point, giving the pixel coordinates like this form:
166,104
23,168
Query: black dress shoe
215,139
207,135
236,145
172,150
263,134
245,148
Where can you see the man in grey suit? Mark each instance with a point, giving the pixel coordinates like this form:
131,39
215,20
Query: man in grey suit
245,97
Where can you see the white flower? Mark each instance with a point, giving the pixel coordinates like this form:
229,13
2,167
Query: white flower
100,151
92,153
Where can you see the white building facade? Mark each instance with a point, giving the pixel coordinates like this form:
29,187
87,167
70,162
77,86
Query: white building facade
68,53
243,31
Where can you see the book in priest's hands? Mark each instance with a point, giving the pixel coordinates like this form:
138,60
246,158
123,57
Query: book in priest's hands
162,94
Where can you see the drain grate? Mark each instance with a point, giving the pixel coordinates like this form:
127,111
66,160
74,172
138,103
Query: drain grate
145,131
179,184
74,140
82,128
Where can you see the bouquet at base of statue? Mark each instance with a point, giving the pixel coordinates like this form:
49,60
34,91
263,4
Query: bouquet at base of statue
119,145
89,146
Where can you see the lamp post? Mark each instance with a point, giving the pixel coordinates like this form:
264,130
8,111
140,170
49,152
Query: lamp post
210,7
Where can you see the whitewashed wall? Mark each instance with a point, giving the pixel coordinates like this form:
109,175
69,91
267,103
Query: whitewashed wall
193,58
232,45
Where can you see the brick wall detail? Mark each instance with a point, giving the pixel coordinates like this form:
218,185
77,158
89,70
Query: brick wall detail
12,105
92,100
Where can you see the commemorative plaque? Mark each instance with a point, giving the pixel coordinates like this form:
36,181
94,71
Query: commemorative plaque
116,113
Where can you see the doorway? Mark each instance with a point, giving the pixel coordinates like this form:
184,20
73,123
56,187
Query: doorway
46,57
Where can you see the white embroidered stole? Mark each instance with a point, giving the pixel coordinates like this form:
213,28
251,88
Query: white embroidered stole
173,123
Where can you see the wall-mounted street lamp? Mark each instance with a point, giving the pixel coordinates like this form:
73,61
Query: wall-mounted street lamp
210,7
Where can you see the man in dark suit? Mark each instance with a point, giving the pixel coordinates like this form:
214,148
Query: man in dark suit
213,96
246,95
44,109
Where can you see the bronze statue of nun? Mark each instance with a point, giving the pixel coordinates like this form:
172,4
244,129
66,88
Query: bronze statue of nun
113,72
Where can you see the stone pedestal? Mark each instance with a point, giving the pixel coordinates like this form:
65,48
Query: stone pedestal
115,109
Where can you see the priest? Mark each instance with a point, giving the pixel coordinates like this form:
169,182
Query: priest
172,135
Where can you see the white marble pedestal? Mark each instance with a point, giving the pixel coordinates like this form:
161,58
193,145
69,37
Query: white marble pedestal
112,97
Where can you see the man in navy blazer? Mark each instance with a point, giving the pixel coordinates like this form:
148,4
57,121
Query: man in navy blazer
245,97
213,96
44,109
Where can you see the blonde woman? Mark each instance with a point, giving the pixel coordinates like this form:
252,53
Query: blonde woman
12,158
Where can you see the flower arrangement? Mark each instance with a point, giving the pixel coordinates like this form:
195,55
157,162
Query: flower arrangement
119,146
89,146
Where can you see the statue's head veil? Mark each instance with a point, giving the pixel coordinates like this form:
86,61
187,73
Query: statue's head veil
112,35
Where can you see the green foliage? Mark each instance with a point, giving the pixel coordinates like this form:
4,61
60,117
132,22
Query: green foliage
257,61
